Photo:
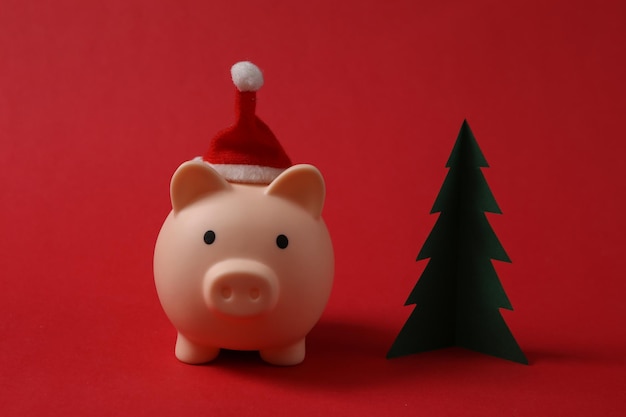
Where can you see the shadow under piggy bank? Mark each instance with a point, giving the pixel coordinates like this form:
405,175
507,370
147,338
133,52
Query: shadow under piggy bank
337,353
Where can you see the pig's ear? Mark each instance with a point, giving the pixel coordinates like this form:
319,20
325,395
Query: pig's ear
303,185
192,180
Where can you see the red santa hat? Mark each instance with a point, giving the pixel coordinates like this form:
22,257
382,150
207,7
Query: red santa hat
248,151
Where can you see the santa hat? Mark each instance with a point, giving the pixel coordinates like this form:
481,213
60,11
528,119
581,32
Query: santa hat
248,151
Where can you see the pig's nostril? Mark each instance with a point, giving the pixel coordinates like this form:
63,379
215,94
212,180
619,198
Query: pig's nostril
227,292
255,294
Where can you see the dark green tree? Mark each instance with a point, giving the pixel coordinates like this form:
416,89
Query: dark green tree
459,294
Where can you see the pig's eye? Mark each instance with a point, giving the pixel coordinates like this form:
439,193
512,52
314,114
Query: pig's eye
209,237
282,241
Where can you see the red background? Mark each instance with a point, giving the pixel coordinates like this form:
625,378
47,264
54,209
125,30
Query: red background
100,101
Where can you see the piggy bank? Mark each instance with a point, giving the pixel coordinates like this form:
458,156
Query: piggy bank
244,266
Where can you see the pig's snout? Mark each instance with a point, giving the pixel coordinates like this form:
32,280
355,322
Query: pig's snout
241,288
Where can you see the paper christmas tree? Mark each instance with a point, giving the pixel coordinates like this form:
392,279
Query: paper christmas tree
458,296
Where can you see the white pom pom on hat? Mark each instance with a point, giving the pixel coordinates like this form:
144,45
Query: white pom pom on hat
246,76
248,151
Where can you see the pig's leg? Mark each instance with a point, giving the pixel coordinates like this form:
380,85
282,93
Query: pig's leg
286,355
191,353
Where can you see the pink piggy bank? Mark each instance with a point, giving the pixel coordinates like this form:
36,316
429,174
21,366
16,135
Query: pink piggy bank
244,267
244,260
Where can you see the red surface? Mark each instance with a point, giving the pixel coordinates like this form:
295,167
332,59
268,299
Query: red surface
100,102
